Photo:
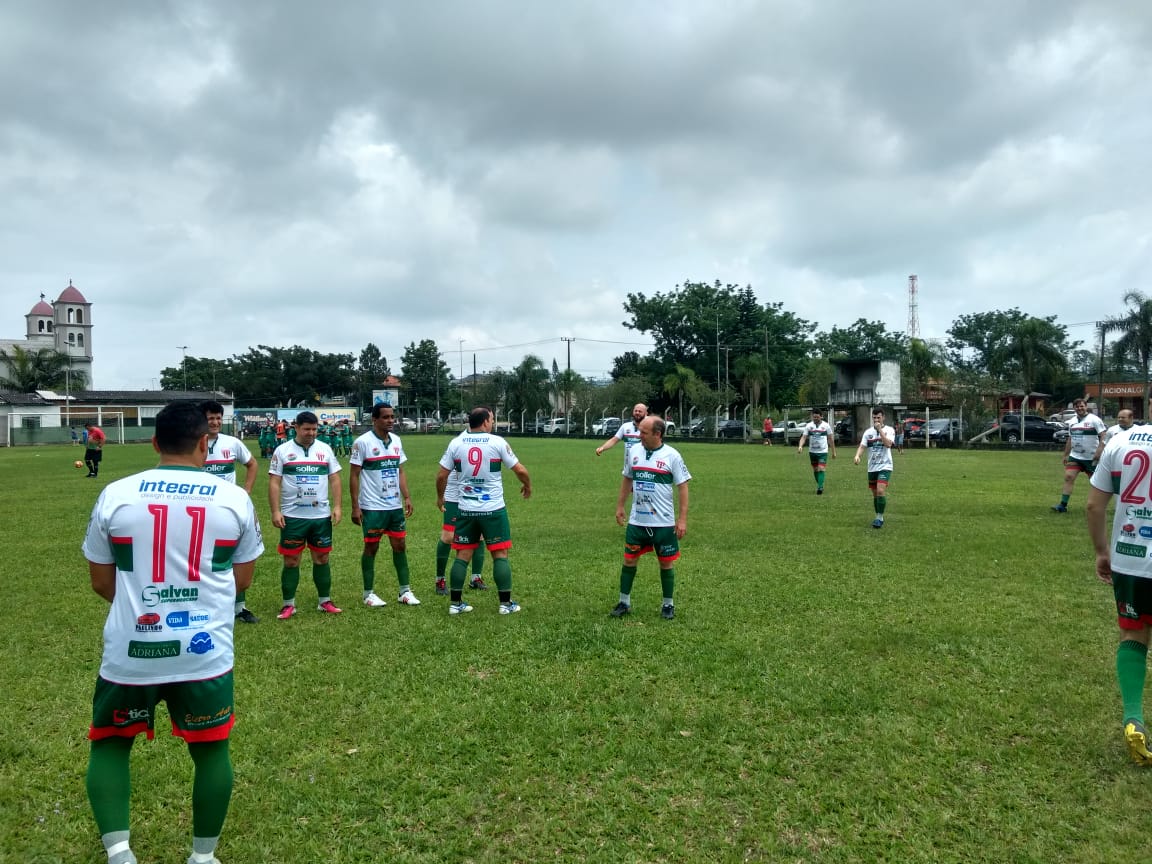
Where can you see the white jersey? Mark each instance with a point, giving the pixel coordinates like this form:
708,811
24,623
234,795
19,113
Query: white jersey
478,457
879,456
223,455
305,473
654,475
629,433
380,461
452,487
1113,431
1085,436
1125,469
818,435
173,534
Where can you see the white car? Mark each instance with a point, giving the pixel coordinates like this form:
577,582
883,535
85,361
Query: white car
406,424
556,426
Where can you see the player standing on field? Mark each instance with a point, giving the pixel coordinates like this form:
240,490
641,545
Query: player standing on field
656,524
224,452
451,509
479,457
1124,420
93,448
168,548
380,501
878,440
304,493
1122,560
818,436
1085,435
628,432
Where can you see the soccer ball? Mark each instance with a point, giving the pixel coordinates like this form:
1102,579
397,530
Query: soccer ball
78,464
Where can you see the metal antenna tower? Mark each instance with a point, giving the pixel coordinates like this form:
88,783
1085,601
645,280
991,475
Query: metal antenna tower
913,309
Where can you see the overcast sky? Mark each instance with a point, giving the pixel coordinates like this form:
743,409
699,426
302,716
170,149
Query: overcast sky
222,175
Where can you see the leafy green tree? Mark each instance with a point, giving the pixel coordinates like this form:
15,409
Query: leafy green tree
371,370
528,389
753,374
862,340
38,369
1033,351
426,377
1135,341
976,342
679,383
925,361
204,374
819,377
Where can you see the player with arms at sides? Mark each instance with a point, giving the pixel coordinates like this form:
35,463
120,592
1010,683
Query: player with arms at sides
878,440
168,548
93,448
450,509
1122,559
224,453
628,432
657,523
380,501
304,493
479,458
818,436
1085,436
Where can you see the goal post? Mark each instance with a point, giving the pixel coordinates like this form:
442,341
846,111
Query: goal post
40,427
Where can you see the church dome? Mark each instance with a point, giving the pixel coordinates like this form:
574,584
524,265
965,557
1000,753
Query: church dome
71,294
41,308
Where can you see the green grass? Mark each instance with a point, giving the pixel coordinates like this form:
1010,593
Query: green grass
938,691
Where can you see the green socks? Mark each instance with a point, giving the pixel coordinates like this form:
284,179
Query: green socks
1064,500
1131,669
110,786
211,791
880,503
627,577
501,574
322,577
668,584
289,582
400,562
478,560
443,553
368,570
459,575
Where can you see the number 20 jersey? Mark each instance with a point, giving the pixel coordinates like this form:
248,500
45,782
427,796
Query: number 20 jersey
172,534
1125,469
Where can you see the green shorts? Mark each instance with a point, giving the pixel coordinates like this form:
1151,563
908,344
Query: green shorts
316,534
492,527
818,458
875,478
199,710
378,523
451,511
1078,465
640,539
1133,601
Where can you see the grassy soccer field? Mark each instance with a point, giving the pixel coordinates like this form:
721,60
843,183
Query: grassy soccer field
941,690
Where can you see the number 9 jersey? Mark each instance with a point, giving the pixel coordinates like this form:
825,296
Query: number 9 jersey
477,458
172,533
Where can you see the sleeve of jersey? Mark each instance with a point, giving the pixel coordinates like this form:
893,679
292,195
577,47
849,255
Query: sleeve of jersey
680,471
243,452
508,457
357,457
446,460
251,542
96,546
333,462
274,466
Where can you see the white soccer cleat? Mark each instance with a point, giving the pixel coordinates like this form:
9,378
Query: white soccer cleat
408,598
373,600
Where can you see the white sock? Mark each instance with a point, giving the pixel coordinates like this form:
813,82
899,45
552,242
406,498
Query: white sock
668,601
626,599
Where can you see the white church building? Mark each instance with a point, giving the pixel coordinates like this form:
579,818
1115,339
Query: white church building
65,324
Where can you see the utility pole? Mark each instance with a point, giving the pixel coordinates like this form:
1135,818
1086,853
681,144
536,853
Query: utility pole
568,372
460,382
184,364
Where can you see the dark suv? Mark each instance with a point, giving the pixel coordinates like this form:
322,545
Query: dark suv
1036,429
730,429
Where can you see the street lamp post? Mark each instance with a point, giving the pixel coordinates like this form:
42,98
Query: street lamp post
184,364
460,382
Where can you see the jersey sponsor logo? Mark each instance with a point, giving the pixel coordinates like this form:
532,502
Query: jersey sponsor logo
169,488
1138,513
149,622
199,721
154,596
1146,532
124,716
153,650
1132,550
1126,610
1128,530
201,643
188,619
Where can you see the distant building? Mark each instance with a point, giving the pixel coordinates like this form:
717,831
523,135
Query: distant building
65,325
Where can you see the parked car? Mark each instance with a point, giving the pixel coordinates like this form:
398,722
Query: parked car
669,426
406,424
557,426
1036,429
845,431
940,429
1063,417
790,432
731,429
606,426
697,428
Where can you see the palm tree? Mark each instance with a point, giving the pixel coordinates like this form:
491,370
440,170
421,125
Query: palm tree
41,369
1136,341
753,372
527,387
677,383
925,362
1029,352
